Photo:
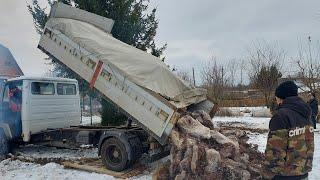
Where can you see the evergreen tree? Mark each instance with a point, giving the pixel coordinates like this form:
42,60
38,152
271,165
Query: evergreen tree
133,25
266,81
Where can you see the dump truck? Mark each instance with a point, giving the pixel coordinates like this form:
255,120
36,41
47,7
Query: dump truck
141,85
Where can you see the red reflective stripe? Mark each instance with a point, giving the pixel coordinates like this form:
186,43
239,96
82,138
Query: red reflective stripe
96,74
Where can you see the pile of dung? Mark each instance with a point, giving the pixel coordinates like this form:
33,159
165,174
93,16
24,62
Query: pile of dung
201,151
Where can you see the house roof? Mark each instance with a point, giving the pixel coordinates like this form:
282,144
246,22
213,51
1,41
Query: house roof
8,65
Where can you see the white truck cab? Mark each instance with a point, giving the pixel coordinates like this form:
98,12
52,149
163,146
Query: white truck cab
46,103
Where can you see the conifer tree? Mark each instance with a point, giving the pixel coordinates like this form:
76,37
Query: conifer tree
134,25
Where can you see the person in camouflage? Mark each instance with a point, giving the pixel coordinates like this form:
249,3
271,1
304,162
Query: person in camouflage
290,145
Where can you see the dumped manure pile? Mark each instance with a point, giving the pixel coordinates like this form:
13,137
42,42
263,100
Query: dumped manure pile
201,151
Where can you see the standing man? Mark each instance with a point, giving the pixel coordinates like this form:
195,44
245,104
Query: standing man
290,146
314,108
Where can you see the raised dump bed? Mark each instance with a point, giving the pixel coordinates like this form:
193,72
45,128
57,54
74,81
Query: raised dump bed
139,83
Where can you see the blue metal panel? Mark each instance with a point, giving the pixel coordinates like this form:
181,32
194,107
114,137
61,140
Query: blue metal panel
1,87
7,116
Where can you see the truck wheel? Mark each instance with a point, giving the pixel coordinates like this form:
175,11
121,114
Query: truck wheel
4,145
114,155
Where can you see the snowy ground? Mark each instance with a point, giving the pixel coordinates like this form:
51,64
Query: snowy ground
15,169
246,109
43,152
245,121
12,170
261,111
86,120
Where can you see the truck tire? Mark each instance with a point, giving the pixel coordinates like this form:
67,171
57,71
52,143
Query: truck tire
4,145
114,155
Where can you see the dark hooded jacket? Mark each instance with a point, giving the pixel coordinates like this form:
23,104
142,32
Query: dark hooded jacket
290,145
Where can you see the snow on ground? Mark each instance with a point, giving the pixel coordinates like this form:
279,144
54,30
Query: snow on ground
13,170
242,109
262,111
245,121
258,139
86,120
18,170
44,152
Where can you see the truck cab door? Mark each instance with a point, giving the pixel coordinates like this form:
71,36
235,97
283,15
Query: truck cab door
9,115
6,113
1,95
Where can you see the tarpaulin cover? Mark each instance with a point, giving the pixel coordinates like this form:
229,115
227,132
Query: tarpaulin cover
140,67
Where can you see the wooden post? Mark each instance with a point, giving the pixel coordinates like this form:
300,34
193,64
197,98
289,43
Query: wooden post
90,100
81,101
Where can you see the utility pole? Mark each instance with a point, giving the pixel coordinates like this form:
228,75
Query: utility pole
222,76
241,73
310,78
194,80
241,77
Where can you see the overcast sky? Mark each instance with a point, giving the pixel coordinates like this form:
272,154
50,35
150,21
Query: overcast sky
18,34
194,30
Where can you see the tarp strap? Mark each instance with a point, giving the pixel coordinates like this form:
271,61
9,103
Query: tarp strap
96,74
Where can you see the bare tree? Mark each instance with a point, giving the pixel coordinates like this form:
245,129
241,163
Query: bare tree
308,63
265,67
232,69
214,79
185,75
242,65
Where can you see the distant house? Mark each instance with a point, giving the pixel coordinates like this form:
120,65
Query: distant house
8,66
303,88
244,94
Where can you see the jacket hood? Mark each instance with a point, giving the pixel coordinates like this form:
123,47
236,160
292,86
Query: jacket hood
296,104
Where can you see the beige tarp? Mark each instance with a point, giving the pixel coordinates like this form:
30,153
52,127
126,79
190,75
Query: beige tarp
140,67
60,10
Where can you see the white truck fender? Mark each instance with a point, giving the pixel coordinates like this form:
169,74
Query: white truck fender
6,130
